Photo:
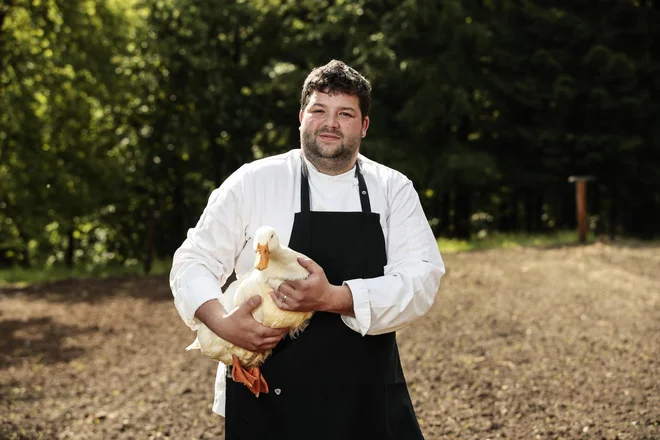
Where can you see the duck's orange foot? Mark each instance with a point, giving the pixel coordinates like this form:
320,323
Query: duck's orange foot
260,386
251,378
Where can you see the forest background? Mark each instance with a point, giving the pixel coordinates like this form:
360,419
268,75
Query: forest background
119,117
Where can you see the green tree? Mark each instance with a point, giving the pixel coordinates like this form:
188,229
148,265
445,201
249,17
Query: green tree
59,89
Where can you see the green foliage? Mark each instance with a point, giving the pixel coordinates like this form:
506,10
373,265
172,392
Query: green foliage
119,117
498,240
59,90
22,277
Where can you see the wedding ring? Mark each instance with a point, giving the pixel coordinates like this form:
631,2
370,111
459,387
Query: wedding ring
285,298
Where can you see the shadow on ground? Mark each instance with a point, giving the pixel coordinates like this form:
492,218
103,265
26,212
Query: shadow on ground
153,287
39,341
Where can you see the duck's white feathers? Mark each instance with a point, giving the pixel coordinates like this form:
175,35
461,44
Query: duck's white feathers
283,266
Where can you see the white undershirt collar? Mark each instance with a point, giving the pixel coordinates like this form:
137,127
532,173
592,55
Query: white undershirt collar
348,175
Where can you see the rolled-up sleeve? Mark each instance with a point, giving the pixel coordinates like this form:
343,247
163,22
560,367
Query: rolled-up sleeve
206,258
411,277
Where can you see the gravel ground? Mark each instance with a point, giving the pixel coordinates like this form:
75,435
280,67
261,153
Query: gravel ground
520,344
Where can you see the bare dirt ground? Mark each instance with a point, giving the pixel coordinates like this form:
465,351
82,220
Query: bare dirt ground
520,344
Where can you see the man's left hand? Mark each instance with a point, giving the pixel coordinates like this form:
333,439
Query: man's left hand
314,293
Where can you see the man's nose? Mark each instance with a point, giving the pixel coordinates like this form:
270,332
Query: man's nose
332,121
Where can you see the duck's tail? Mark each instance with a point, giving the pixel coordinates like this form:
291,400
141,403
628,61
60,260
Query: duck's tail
194,346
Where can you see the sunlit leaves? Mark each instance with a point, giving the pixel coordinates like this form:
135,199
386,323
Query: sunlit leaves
60,89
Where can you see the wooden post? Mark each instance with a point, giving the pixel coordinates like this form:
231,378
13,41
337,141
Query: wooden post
581,209
581,204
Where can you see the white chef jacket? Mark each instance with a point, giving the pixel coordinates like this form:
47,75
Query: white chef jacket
267,192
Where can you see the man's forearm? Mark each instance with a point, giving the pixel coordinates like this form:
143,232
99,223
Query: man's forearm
211,313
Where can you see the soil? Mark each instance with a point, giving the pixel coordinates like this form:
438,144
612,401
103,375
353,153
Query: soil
520,344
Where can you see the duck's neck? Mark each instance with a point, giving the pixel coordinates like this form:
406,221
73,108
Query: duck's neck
280,257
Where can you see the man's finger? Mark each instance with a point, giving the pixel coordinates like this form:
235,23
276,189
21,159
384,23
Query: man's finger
277,297
250,304
297,284
268,332
309,264
286,288
271,342
284,306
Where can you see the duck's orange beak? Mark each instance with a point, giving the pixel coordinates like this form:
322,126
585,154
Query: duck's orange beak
261,261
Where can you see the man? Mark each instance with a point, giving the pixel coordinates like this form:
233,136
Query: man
374,267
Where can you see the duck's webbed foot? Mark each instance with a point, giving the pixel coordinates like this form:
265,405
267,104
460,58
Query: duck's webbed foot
251,378
260,385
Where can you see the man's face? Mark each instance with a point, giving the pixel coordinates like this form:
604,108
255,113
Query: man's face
331,128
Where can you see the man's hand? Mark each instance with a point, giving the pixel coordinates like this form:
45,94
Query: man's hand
239,327
314,293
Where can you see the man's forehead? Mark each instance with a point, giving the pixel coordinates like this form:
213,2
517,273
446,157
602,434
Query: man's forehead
336,98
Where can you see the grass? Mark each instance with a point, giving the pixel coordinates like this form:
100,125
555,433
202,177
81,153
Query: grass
21,277
510,240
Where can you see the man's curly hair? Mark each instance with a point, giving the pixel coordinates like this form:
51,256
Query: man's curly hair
337,77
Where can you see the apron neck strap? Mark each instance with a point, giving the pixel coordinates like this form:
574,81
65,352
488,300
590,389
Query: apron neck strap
304,188
364,194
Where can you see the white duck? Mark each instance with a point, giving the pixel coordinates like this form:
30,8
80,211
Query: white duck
273,265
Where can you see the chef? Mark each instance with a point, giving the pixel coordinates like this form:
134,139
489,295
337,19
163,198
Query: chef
374,267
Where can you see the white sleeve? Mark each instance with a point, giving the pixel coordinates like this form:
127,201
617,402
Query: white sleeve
206,258
411,277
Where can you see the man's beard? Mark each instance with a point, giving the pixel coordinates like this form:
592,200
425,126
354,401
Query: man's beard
330,159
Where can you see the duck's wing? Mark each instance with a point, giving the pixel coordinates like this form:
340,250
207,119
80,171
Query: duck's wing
217,348
284,269
228,297
275,317
212,346
247,288
207,341
293,254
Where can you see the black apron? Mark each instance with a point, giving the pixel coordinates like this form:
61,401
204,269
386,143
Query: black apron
330,382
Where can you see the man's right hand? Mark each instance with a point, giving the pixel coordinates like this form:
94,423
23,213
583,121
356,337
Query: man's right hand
239,326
